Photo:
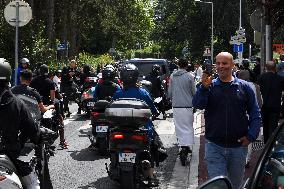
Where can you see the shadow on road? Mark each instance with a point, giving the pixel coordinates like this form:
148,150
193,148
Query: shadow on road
87,154
102,183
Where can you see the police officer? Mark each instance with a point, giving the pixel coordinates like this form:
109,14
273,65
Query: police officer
15,118
68,84
157,90
129,76
105,89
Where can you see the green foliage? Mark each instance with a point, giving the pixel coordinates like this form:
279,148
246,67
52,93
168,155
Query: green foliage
92,60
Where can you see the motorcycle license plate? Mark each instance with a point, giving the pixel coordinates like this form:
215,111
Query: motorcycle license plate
101,129
90,103
127,157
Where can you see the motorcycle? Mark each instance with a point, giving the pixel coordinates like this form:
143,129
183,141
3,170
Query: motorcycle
36,155
87,101
160,102
129,145
100,127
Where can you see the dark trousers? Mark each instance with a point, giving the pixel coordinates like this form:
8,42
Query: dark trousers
270,118
69,93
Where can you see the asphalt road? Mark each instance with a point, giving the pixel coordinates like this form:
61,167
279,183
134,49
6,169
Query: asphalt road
82,167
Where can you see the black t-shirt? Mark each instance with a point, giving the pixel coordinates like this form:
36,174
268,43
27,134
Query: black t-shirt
26,90
66,79
43,85
271,87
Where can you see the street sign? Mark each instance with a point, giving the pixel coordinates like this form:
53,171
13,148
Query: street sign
278,48
238,48
25,13
239,38
255,20
207,52
62,46
238,61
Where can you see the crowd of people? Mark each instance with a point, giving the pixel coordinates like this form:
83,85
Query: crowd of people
237,100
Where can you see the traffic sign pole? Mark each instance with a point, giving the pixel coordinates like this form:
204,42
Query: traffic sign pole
16,44
17,18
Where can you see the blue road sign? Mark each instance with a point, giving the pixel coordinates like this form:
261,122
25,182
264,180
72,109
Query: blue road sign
238,48
62,46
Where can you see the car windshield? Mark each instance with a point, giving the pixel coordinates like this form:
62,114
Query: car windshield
146,67
272,168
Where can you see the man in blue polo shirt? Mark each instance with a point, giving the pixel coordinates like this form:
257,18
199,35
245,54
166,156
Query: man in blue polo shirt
232,120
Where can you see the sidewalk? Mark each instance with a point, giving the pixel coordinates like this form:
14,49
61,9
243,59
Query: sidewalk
198,171
185,176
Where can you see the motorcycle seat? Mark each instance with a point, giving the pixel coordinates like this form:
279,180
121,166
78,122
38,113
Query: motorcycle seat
101,105
7,163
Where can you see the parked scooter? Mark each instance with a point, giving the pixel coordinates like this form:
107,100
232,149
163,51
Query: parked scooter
130,152
100,127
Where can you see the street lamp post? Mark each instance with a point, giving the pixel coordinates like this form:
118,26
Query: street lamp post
212,27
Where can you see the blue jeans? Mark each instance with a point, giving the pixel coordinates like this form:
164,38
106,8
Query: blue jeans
228,162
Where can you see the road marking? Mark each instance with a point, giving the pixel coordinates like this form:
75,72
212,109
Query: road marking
72,118
85,126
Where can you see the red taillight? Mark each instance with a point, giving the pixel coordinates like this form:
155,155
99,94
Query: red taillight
95,114
86,95
87,80
167,80
280,187
116,136
139,137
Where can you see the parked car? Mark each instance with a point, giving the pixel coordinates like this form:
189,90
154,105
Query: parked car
269,170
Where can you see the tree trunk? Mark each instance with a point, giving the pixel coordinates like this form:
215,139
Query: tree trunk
50,25
73,29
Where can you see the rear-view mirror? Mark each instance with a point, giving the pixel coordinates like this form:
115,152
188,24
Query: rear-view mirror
219,182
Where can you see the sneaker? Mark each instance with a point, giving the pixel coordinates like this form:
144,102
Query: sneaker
153,182
63,144
68,114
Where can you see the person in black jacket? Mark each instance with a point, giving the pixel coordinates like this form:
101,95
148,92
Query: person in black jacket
271,87
157,89
16,119
106,88
68,84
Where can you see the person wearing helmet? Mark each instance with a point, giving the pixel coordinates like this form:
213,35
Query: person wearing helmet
24,65
12,107
157,90
85,82
129,77
105,89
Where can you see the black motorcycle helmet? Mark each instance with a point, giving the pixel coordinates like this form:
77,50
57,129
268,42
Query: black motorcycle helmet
129,75
156,69
108,73
43,70
5,71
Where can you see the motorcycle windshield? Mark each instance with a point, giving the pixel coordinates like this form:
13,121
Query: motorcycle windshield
32,106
